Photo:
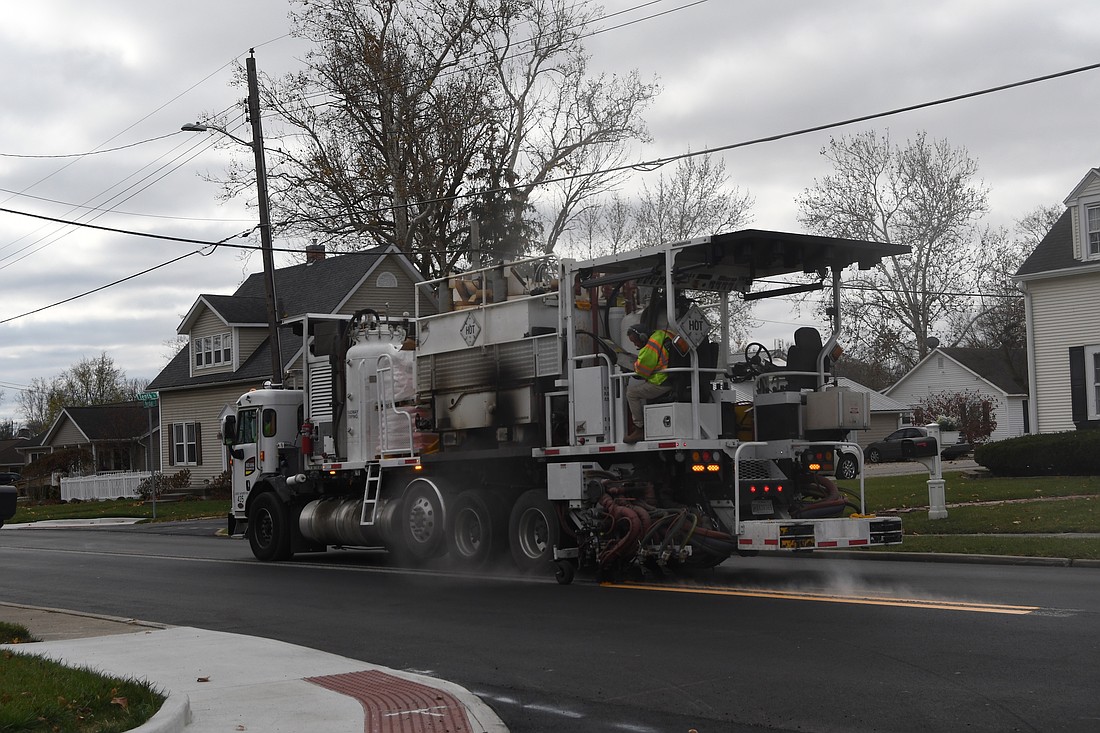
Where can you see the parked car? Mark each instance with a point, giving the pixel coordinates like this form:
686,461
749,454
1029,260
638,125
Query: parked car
846,466
9,479
905,443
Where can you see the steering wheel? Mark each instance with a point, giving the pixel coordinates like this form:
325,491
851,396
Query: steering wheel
752,357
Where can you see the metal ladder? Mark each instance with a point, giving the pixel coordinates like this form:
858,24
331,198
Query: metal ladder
370,493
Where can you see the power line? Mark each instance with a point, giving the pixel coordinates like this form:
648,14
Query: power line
532,39
119,281
112,229
654,164
651,165
115,211
88,152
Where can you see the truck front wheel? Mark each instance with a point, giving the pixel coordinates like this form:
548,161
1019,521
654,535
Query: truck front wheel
533,531
269,528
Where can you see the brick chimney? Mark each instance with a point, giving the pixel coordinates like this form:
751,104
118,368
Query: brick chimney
315,252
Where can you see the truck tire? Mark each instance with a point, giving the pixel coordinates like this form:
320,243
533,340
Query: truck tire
475,528
421,521
533,531
269,528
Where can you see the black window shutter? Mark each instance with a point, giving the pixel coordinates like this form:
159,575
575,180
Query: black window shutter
171,444
1078,397
198,443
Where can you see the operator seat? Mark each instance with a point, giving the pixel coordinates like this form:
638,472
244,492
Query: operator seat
802,357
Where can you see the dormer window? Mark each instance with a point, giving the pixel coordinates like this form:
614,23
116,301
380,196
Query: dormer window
1092,231
211,351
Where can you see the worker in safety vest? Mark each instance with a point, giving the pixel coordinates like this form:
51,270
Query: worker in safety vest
649,375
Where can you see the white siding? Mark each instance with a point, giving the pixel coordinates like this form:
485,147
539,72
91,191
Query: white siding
203,406
882,424
248,340
68,434
207,324
1065,313
940,373
390,301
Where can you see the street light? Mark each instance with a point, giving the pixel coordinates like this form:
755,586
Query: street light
196,127
257,146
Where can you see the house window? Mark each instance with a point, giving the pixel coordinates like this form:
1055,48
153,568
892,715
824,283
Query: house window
1092,224
212,350
386,280
186,444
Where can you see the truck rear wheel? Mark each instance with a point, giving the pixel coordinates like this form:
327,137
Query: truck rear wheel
533,531
475,528
269,528
420,520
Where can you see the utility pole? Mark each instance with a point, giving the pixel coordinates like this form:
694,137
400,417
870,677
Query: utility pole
265,221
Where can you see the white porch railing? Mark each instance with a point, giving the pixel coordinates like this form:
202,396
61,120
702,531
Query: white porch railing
102,486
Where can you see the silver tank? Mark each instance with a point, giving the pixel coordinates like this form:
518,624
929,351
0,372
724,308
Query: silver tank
336,522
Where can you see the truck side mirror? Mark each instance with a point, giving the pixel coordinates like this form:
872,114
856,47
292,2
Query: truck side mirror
229,430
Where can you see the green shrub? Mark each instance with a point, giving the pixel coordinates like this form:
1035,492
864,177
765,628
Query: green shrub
179,480
219,486
1074,453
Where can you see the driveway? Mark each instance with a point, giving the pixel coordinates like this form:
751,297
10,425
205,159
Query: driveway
904,467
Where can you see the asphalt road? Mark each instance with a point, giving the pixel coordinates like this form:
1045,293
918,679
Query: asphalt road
761,644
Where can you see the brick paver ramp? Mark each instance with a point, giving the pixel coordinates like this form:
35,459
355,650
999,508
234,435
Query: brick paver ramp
396,705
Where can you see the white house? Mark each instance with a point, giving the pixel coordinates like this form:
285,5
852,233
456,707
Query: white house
228,350
997,374
1061,286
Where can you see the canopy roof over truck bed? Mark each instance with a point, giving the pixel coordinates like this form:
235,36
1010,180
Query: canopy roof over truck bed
732,261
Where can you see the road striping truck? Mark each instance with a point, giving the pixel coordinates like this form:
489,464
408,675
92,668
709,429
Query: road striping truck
493,422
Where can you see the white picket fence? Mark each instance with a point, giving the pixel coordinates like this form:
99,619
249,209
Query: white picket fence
102,486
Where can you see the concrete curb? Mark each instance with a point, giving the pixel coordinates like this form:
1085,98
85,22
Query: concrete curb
140,649
174,715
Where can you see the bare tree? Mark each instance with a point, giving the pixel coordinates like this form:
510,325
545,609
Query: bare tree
415,116
995,316
94,381
695,200
602,228
923,194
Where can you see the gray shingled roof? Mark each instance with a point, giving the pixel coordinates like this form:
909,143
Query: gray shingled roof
255,369
1005,368
1055,251
118,421
312,287
235,309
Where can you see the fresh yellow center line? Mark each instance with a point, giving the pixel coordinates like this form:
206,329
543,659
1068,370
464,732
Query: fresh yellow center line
941,605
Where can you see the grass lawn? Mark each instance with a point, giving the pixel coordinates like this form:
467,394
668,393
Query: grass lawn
166,511
37,694
993,506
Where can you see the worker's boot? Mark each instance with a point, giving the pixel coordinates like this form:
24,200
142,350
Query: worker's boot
634,436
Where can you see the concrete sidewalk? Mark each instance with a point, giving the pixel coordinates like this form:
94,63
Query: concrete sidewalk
230,682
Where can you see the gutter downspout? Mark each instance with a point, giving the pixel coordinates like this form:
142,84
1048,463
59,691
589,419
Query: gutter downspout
1032,377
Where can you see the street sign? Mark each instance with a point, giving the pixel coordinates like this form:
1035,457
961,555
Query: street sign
149,399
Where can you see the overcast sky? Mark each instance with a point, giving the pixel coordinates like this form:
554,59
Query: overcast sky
82,76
